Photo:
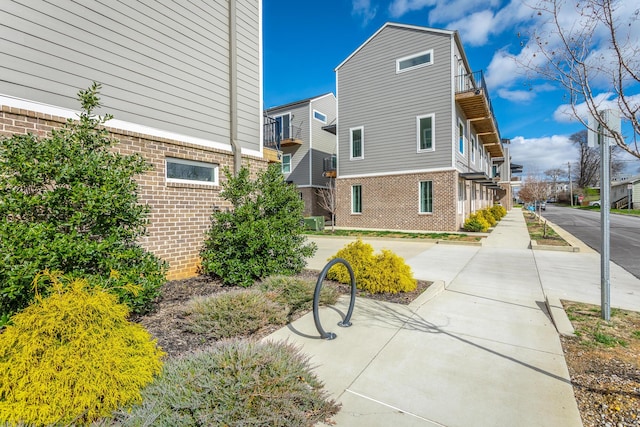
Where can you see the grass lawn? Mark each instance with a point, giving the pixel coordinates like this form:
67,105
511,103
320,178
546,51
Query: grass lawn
542,233
635,212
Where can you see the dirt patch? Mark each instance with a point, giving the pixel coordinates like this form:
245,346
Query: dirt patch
604,364
168,322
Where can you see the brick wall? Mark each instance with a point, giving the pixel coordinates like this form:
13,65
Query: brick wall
180,212
311,207
392,202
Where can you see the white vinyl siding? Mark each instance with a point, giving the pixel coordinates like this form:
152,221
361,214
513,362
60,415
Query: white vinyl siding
191,172
356,199
356,143
425,132
426,197
412,62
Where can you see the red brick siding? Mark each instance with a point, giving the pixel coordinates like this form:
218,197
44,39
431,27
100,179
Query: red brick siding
180,213
391,202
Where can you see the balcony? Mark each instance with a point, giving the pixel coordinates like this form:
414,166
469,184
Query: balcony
271,140
329,167
290,136
473,98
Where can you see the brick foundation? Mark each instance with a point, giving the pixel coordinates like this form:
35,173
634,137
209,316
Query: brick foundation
392,202
180,212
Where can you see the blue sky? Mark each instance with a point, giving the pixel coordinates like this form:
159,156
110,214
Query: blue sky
305,41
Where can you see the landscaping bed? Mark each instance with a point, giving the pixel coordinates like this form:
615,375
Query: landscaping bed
397,234
542,233
604,365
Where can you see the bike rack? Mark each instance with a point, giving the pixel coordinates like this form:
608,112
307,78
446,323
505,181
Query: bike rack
346,322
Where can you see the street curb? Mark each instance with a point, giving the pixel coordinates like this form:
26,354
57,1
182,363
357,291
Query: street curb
536,247
459,242
435,289
559,316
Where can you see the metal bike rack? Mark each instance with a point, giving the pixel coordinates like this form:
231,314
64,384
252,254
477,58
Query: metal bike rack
346,322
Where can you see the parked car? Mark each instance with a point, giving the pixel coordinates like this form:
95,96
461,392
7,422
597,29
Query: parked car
541,206
595,203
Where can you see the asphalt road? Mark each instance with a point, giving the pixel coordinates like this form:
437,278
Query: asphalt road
585,225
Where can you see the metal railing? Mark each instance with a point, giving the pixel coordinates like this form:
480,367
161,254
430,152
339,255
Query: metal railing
271,137
475,82
329,164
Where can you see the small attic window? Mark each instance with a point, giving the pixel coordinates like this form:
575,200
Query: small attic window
418,60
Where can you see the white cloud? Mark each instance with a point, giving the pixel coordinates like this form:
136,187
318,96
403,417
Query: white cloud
475,28
364,10
397,8
540,154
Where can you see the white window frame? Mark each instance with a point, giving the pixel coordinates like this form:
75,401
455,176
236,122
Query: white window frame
473,149
433,132
420,204
289,131
353,199
286,156
415,55
351,130
461,136
316,112
213,166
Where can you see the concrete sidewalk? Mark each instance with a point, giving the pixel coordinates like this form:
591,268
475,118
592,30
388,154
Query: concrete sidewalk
478,348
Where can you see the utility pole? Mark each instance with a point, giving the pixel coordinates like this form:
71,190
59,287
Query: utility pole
570,186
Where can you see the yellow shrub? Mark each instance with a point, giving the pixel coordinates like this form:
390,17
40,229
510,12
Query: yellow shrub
488,216
476,222
385,272
358,254
498,211
73,357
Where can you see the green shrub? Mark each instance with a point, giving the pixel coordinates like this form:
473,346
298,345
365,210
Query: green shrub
235,383
68,202
476,223
262,235
235,313
498,211
385,272
297,294
73,357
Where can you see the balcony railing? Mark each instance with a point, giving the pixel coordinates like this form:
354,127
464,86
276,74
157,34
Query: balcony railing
271,138
329,167
475,82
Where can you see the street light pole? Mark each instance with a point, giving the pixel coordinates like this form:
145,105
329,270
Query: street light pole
570,186
605,205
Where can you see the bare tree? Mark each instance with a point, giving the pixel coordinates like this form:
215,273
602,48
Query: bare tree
585,45
554,175
534,191
327,200
587,166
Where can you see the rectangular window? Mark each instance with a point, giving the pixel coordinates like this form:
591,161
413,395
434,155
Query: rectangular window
334,162
356,199
460,137
357,142
473,149
284,125
426,196
286,163
190,171
425,132
319,116
414,61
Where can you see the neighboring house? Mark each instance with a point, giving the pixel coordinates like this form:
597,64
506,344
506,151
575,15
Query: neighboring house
308,144
621,190
182,79
418,143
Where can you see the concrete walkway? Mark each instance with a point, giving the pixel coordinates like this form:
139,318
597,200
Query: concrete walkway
478,348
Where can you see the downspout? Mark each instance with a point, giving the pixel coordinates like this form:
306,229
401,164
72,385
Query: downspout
233,89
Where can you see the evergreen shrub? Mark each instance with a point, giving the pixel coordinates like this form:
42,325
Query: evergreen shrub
68,202
498,211
488,216
235,383
382,273
476,223
72,357
235,313
262,235
297,294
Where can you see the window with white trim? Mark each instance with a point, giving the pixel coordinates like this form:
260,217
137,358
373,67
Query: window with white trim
284,125
191,171
411,62
426,196
319,116
356,138
460,137
286,163
425,131
356,199
473,149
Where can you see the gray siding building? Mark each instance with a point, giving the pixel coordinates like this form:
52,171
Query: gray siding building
417,137
308,144
182,79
